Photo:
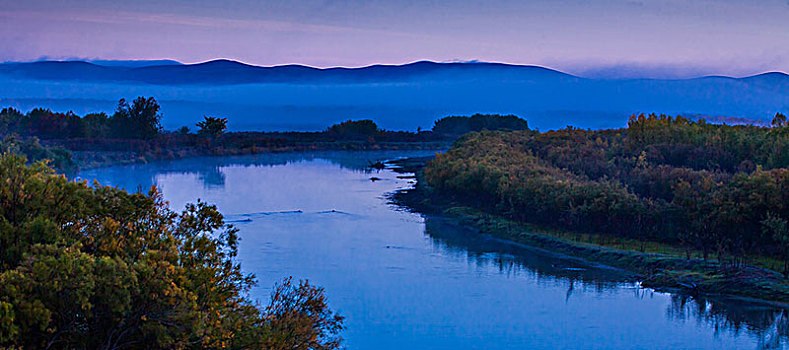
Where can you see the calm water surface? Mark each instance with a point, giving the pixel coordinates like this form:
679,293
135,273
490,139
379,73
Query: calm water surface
406,281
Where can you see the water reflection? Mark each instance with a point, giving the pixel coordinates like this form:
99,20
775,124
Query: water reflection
209,170
513,258
768,324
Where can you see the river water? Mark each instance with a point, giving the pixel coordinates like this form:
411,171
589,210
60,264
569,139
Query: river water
408,281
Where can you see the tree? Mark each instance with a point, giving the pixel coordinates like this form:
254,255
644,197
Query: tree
301,318
777,228
140,119
212,126
96,125
779,120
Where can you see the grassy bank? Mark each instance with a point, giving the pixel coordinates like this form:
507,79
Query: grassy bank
659,266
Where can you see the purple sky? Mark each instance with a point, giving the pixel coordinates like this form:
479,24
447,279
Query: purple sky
595,38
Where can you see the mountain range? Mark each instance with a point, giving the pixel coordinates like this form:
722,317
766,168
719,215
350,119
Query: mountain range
232,72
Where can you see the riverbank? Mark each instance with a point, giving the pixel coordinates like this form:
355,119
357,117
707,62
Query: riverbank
319,214
660,271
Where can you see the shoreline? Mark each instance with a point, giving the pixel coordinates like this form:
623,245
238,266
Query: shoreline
92,159
660,272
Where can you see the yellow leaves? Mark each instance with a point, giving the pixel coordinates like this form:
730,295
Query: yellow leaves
8,328
642,160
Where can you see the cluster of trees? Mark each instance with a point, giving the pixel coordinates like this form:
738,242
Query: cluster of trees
94,267
354,128
449,127
713,188
454,126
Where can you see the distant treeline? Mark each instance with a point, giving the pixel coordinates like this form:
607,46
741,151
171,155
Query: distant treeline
141,119
134,131
713,188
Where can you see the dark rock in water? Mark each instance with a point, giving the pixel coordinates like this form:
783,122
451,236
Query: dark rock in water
374,179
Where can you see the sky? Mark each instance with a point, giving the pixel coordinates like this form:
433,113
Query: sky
606,38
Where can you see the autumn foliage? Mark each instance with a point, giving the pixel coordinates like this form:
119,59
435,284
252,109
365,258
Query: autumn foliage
717,189
95,267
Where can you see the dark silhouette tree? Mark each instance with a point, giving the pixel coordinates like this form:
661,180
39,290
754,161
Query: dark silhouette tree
779,120
212,126
140,119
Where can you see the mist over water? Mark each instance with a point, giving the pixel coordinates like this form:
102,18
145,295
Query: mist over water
405,280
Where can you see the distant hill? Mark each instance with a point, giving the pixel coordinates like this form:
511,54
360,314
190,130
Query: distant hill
297,97
135,63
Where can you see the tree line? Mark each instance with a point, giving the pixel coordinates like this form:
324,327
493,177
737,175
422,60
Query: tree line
141,119
716,189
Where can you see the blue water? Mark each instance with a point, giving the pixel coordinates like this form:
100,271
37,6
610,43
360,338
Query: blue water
407,281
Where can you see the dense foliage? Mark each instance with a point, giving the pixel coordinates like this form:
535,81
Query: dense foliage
95,267
716,188
454,126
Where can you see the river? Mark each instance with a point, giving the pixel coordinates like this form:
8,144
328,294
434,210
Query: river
409,281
